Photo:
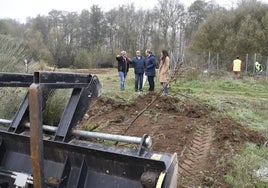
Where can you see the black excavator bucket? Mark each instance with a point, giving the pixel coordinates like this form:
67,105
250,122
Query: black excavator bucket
28,159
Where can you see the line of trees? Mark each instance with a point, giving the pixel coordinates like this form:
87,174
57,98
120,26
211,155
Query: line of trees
93,37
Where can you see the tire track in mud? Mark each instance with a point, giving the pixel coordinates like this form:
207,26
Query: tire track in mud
195,156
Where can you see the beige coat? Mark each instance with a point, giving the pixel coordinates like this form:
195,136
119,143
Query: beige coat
163,71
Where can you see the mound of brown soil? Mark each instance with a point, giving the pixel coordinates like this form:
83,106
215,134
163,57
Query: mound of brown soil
177,124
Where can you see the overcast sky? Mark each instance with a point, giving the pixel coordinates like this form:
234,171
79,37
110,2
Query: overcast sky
21,9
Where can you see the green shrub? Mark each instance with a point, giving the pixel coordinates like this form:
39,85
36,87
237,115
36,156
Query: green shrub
55,106
82,59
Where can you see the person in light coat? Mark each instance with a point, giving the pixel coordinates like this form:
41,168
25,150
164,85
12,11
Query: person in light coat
163,71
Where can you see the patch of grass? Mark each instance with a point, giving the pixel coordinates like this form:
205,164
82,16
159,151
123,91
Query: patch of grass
245,165
10,99
154,117
55,106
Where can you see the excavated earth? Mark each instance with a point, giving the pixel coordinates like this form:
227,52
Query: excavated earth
176,124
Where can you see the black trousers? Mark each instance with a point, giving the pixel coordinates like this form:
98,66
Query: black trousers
151,83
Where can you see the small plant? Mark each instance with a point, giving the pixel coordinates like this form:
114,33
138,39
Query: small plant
89,127
222,161
154,117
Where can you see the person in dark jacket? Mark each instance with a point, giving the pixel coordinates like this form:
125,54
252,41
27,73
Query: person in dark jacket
150,68
123,66
139,65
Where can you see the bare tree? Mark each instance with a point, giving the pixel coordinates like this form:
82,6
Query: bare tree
147,25
112,28
97,27
170,14
84,28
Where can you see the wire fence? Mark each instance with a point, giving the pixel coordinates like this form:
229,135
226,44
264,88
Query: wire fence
215,62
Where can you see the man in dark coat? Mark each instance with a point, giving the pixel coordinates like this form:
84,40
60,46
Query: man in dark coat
150,68
139,65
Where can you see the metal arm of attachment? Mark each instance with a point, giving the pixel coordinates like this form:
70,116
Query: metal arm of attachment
147,142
